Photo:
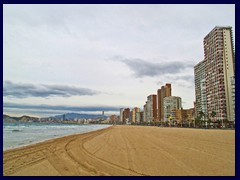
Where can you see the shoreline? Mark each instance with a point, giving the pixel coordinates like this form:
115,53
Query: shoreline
47,139
128,151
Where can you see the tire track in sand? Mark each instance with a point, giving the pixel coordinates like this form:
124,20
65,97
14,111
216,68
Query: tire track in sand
89,160
113,165
174,160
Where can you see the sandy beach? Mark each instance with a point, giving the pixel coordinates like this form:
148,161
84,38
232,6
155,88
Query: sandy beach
128,151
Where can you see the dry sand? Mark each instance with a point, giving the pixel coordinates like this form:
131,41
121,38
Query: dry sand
128,150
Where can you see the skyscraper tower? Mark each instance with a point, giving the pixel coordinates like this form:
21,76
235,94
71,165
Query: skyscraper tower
219,71
151,108
134,114
103,114
121,115
200,88
171,104
165,91
126,114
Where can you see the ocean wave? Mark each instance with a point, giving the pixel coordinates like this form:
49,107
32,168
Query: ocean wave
16,130
18,135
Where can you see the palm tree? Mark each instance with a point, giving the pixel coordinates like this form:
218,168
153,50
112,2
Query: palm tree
198,122
170,118
208,120
201,114
185,118
201,117
213,114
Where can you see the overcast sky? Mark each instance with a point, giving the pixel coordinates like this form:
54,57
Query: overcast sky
89,58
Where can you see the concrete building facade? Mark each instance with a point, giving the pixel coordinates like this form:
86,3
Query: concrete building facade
186,115
200,88
219,69
233,96
171,104
139,117
150,109
134,112
121,115
126,115
145,112
165,91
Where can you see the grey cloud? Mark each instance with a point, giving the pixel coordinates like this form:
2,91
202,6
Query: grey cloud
143,68
185,85
187,78
43,107
184,81
179,80
11,89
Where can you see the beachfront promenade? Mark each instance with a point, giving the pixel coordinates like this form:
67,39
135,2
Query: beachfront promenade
129,150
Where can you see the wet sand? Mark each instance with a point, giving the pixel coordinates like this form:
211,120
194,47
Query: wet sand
128,151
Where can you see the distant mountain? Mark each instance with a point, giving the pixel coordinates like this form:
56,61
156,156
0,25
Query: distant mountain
69,116
80,116
7,118
24,118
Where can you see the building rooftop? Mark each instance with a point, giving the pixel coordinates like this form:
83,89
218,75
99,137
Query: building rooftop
218,27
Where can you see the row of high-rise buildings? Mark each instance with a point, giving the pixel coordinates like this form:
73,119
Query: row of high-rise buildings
214,88
160,107
215,77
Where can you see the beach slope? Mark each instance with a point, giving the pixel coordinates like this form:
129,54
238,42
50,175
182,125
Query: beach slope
128,150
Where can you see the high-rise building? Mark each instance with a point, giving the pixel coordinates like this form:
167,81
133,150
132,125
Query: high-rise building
171,104
126,115
165,91
219,71
200,89
139,117
219,68
121,115
151,108
145,112
233,96
130,117
103,115
134,112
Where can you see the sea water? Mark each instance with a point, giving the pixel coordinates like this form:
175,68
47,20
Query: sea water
21,134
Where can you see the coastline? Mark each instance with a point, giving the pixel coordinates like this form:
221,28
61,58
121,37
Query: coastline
128,150
47,137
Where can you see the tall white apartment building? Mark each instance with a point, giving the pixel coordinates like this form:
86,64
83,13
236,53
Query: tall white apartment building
233,96
219,71
121,115
134,112
150,109
200,88
171,104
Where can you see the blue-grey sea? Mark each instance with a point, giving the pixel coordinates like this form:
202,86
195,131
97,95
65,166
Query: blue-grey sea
21,134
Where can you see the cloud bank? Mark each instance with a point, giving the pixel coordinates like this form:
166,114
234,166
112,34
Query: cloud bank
22,90
142,68
186,81
59,108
